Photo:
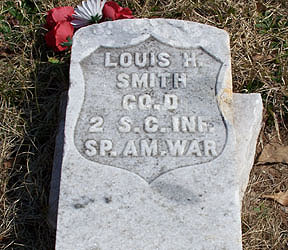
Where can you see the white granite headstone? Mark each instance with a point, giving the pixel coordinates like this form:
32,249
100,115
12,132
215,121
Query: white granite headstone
152,156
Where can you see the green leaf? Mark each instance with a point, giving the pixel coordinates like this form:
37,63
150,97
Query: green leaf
53,60
95,19
67,44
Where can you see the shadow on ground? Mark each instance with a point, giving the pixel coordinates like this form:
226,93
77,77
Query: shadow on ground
29,184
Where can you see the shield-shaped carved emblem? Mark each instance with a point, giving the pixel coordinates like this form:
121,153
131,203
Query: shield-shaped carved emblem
150,108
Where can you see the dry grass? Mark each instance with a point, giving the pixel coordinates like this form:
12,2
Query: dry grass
33,78
264,222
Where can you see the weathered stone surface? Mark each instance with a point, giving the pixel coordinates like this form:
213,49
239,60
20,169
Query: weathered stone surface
150,154
162,99
247,123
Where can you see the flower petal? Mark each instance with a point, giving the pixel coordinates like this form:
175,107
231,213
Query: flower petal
78,13
90,10
93,4
79,18
83,12
110,9
90,6
98,6
87,9
58,35
102,5
57,15
78,23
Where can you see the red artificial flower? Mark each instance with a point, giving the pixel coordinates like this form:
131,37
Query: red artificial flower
61,33
58,14
113,11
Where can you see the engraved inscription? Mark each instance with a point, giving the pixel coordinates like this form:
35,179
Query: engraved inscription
150,108
151,148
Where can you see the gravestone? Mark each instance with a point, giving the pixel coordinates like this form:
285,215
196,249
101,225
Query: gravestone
157,149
